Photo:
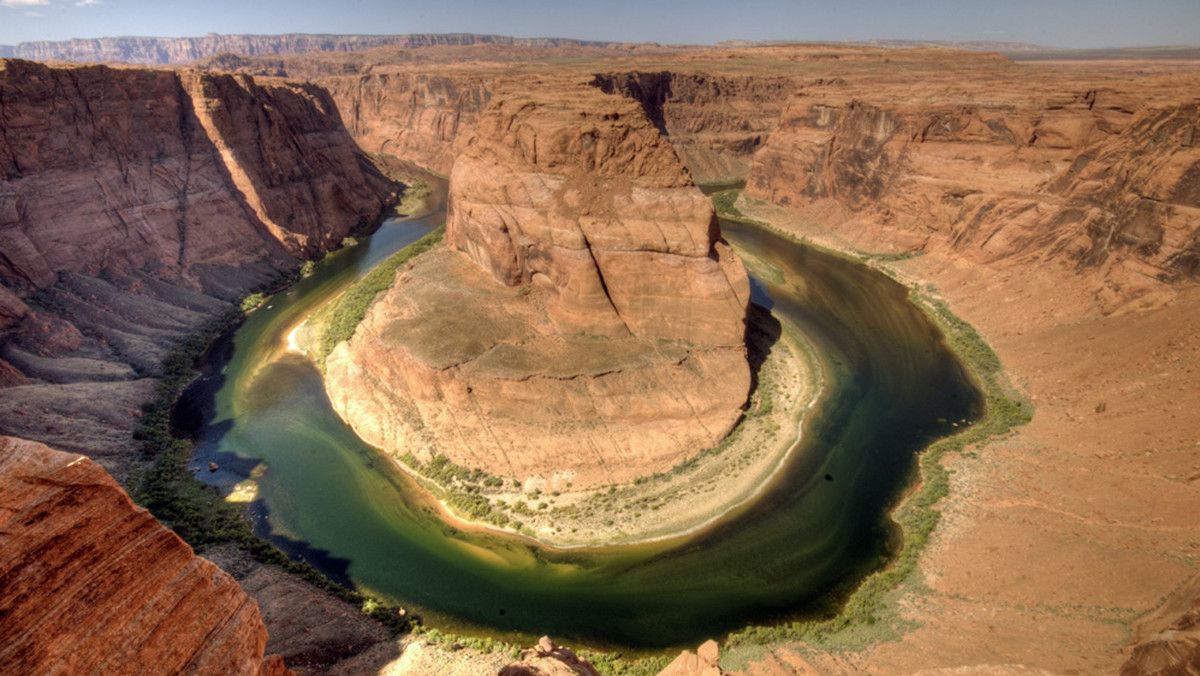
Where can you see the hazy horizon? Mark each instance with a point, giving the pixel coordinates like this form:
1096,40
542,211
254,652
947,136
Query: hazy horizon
1080,24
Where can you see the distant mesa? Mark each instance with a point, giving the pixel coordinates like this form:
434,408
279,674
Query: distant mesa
162,51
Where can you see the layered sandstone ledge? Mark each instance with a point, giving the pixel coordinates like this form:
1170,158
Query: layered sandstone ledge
585,303
135,205
94,584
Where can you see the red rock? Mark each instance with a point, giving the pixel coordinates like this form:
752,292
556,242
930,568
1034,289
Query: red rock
703,662
1102,178
94,584
586,302
124,169
548,659
592,206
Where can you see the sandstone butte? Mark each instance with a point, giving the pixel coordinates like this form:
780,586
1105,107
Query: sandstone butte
585,319
93,584
1054,206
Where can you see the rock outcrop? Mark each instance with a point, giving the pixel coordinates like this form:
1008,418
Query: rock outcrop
134,205
548,659
413,114
703,662
585,301
1100,178
124,169
1173,651
94,585
715,122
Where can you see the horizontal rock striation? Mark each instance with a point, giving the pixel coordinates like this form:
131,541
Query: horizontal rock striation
585,301
94,585
104,168
413,114
134,206
1102,179
715,122
598,211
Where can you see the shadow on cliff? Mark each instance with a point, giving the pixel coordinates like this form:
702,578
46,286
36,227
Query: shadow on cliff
763,331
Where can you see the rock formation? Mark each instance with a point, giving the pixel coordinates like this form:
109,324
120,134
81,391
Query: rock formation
1099,178
548,659
703,662
585,301
94,585
413,114
134,205
178,170
715,122
157,51
1023,185
1174,651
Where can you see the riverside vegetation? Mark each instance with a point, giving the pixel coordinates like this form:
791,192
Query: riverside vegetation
696,490
869,615
197,512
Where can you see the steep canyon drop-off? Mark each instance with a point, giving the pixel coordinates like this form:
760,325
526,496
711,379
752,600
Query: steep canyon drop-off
1013,180
134,206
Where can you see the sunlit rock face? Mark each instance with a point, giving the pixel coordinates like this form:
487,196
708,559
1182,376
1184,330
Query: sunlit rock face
584,319
94,584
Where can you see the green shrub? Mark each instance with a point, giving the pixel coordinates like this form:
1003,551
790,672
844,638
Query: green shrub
345,313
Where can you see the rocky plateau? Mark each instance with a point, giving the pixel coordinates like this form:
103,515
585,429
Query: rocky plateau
1055,207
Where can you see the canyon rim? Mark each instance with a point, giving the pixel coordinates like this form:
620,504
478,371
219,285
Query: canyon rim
1055,207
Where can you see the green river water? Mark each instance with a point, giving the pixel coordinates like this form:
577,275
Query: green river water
891,388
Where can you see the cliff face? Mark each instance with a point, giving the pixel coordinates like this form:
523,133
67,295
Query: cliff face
93,584
134,205
1101,179
584,206
125,168
585,301
714,122
412,114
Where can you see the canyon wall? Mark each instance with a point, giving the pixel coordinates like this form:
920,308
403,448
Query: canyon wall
1099,179
715,122
157,51
585,301
104,168
94,585
412,114
134,205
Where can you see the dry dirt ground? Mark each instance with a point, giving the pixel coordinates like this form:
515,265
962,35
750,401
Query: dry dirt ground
1059,543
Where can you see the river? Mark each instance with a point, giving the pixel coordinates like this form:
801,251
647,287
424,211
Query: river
323,495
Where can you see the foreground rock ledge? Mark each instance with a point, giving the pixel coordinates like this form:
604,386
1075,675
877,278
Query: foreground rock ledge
94,584
586,321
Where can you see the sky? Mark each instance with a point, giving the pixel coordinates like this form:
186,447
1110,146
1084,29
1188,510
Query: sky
1056,23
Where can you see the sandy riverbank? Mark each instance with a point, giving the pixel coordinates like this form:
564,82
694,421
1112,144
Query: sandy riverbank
1058,543
683,499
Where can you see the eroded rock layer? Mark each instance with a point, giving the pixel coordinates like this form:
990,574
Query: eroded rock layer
122,169
134,205
152,50
1103,178
585,319
95,585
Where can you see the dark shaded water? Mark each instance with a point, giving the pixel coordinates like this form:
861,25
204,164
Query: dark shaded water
892,387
